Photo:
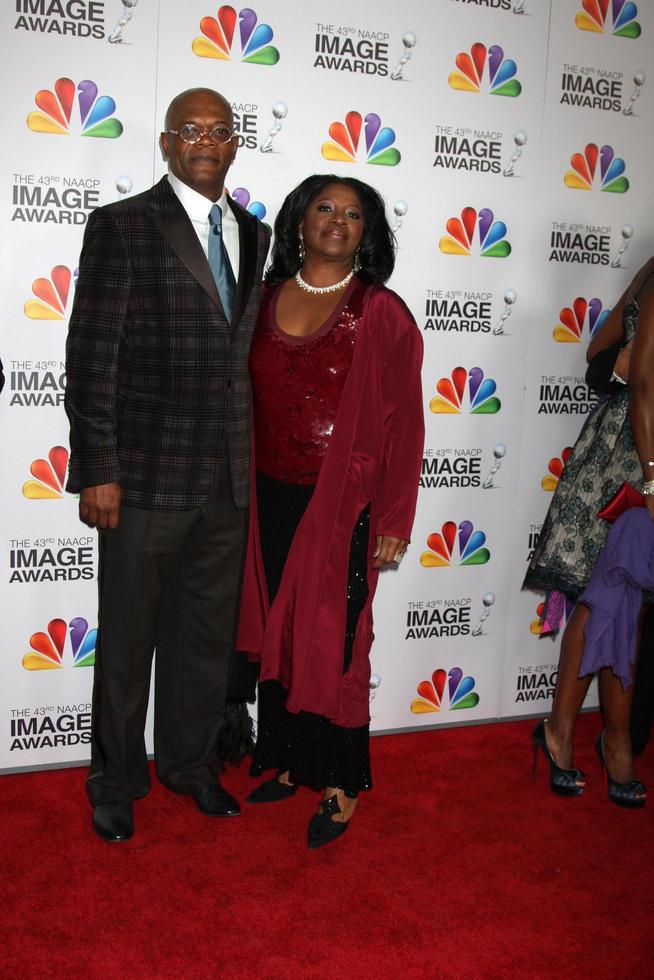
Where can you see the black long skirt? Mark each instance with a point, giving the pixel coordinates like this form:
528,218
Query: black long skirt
316,752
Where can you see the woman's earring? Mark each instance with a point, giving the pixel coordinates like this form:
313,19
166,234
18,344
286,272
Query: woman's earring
357,261
301,248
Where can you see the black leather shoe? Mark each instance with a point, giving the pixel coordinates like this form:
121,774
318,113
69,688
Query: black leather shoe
114,821
214,800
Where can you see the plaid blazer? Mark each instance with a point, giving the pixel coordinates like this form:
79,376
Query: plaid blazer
157,390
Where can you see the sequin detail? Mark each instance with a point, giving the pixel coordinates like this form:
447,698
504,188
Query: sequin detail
297,384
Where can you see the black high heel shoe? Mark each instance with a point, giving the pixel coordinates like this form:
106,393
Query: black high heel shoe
623,794
272,791
563,782
322,829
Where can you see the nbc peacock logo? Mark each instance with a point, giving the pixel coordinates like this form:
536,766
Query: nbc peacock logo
451,393
443,551
555,469
460,692
51,295
485,69
219,32
242,196
572,320
345,138
55,112
460,238
617,17
49,475
561,614
536,625
47,649
584,170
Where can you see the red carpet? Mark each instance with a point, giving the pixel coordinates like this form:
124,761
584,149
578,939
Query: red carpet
456,865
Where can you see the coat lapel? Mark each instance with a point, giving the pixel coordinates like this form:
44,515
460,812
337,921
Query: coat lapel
247,226
173,222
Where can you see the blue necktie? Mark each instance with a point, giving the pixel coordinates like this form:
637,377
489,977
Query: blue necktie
221,267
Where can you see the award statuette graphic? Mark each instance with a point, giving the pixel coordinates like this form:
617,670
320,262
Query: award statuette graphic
510,298
487,601
374,683
409,40
124,186
639,81
116,35
519,138
499,453
400,208
279,111
627,232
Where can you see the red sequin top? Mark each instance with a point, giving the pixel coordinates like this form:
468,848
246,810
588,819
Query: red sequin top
297,384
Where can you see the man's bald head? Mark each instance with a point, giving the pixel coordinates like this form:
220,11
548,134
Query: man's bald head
178,106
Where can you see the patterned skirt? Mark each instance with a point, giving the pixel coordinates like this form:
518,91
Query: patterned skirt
572,537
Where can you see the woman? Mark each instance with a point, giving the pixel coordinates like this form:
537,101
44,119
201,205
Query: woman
615,445
338,436
605,373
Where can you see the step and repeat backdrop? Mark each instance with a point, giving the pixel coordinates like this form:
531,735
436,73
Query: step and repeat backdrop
512,141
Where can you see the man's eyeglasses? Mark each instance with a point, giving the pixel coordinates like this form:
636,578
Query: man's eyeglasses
193,134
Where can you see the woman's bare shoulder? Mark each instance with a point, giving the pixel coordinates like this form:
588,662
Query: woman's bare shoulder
641,281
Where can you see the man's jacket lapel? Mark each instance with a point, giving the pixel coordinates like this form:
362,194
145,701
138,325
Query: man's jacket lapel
175,225
247,226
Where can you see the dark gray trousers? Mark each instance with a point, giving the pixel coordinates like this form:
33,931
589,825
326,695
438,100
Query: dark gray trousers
170,581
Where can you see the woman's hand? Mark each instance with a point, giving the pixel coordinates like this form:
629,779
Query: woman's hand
622,361
389,551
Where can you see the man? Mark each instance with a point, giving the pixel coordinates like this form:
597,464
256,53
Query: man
158,399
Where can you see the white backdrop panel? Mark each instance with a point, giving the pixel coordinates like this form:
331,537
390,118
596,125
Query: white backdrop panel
484,90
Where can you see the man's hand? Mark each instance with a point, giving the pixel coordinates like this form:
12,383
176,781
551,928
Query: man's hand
99,506
389,551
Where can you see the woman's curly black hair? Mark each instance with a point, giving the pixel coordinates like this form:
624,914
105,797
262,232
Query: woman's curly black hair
377,248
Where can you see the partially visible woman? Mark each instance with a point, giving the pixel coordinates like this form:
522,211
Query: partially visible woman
607,370
615,445
338,438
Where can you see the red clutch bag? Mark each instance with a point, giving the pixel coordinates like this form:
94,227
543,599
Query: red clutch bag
626,497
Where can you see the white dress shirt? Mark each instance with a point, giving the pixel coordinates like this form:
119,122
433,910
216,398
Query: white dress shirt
197,207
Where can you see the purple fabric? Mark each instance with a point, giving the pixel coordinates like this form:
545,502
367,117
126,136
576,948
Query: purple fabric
624,569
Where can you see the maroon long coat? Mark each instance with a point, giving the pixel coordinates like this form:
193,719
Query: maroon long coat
374,456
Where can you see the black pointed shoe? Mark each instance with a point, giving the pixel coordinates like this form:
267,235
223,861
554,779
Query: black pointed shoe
322,829
214,800
272,791
114,821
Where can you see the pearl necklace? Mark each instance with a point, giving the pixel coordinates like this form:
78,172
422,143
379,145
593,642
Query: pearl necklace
320,290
